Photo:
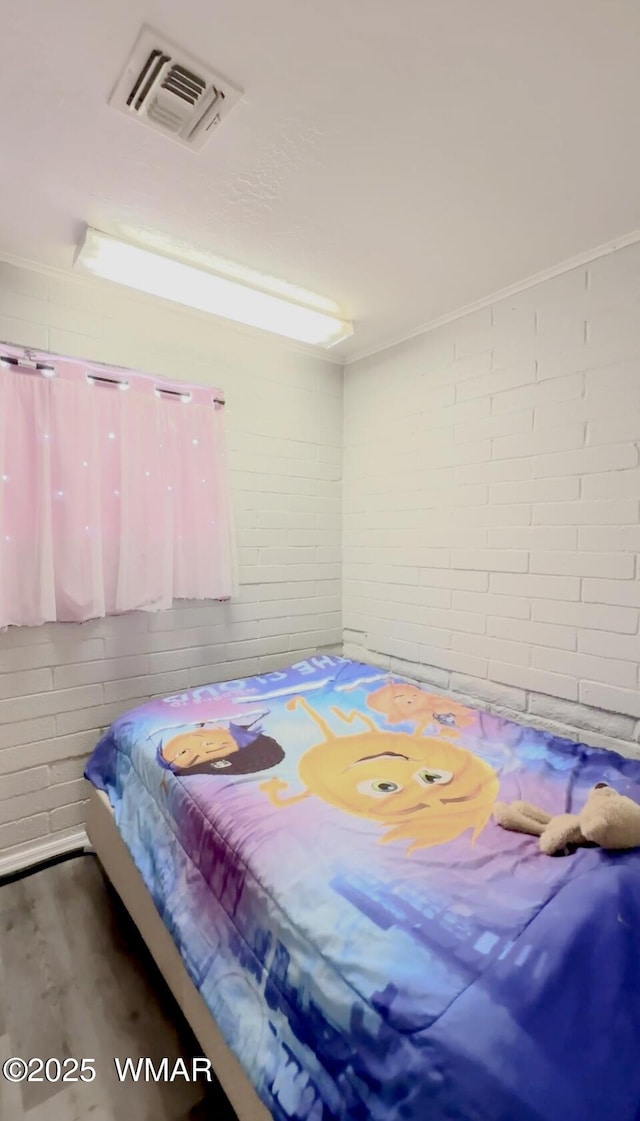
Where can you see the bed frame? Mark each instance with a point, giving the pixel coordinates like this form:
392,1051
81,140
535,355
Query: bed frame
118,864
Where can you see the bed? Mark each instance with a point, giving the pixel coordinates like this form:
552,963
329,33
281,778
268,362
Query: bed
311,857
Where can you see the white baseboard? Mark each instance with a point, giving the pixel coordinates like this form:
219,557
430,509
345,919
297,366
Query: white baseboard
26,856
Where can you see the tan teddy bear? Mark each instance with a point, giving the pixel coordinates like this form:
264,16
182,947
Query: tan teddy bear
608,819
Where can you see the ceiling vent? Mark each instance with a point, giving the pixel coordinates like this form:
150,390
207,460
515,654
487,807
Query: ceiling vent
167,89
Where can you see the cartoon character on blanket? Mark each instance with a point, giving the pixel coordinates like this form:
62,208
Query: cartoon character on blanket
232,750
423,789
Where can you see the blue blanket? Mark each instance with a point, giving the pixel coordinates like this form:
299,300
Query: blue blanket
319,843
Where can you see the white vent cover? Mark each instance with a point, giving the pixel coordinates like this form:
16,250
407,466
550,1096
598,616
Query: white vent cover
167,89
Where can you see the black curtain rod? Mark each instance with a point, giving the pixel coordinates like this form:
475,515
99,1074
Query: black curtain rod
41,366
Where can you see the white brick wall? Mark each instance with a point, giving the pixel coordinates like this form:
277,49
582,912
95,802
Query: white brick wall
491,521
492,504
61,684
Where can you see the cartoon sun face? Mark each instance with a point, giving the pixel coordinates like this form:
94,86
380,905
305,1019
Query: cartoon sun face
200,746
422,789
391,776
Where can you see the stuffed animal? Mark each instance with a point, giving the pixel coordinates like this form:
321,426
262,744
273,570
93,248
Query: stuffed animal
608,819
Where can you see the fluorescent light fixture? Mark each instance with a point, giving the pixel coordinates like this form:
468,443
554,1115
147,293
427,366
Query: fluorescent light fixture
111,259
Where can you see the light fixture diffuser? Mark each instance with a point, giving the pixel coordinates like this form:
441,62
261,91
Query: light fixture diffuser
112,259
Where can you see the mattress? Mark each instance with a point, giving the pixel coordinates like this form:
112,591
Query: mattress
115,860
318,841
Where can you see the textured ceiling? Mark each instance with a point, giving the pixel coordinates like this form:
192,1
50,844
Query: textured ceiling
404,159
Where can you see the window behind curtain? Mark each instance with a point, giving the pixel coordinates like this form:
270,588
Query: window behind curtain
113,493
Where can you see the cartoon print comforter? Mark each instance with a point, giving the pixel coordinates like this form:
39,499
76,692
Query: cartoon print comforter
319,842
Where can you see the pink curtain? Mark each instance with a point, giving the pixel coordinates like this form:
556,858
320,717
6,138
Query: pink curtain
111,499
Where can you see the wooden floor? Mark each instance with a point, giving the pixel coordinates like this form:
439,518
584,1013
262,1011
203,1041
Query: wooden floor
77,981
